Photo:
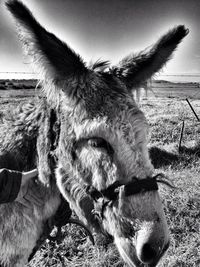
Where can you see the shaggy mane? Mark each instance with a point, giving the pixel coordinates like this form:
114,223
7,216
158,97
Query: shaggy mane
99,65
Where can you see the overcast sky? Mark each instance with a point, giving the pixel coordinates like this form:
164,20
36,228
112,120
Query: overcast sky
108,29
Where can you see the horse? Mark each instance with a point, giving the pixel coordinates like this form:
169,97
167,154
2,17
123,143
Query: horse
88,139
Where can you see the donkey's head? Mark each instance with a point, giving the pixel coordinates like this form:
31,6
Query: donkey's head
103,166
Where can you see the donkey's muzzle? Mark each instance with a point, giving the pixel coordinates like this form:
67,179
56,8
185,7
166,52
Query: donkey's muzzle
148,254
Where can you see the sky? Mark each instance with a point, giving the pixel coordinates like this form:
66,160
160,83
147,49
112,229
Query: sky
107,30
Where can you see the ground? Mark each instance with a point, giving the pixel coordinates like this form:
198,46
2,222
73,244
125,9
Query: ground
165,113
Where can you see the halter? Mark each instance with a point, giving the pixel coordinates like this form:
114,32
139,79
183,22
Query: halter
134,187
111,193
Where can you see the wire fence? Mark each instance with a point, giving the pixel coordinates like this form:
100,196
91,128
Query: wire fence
18,75
186,77
173,77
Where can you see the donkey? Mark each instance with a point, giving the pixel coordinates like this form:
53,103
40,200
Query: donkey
88,139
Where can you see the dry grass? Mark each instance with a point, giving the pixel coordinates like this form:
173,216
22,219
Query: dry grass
182,206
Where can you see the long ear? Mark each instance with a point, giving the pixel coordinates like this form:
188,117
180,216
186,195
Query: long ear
136,69
55,59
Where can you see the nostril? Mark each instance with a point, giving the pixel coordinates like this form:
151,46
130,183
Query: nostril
148,254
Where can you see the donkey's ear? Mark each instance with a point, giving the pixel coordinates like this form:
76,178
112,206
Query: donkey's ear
55,59
135,69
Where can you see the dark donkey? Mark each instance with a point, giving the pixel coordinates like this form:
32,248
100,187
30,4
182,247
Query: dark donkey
89,132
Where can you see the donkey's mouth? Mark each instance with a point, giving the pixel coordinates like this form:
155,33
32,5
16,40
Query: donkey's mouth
155,262
129,254
159,256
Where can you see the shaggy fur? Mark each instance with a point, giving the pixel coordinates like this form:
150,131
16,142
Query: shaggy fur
20,227
97,136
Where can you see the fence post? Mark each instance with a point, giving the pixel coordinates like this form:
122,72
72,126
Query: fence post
181,137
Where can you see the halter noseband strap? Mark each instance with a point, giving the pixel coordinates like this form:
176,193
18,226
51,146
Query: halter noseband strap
140,186
134,187
111,194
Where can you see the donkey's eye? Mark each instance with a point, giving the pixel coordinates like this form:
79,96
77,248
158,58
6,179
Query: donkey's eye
100,143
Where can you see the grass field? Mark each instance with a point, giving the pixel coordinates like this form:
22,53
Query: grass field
165,114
